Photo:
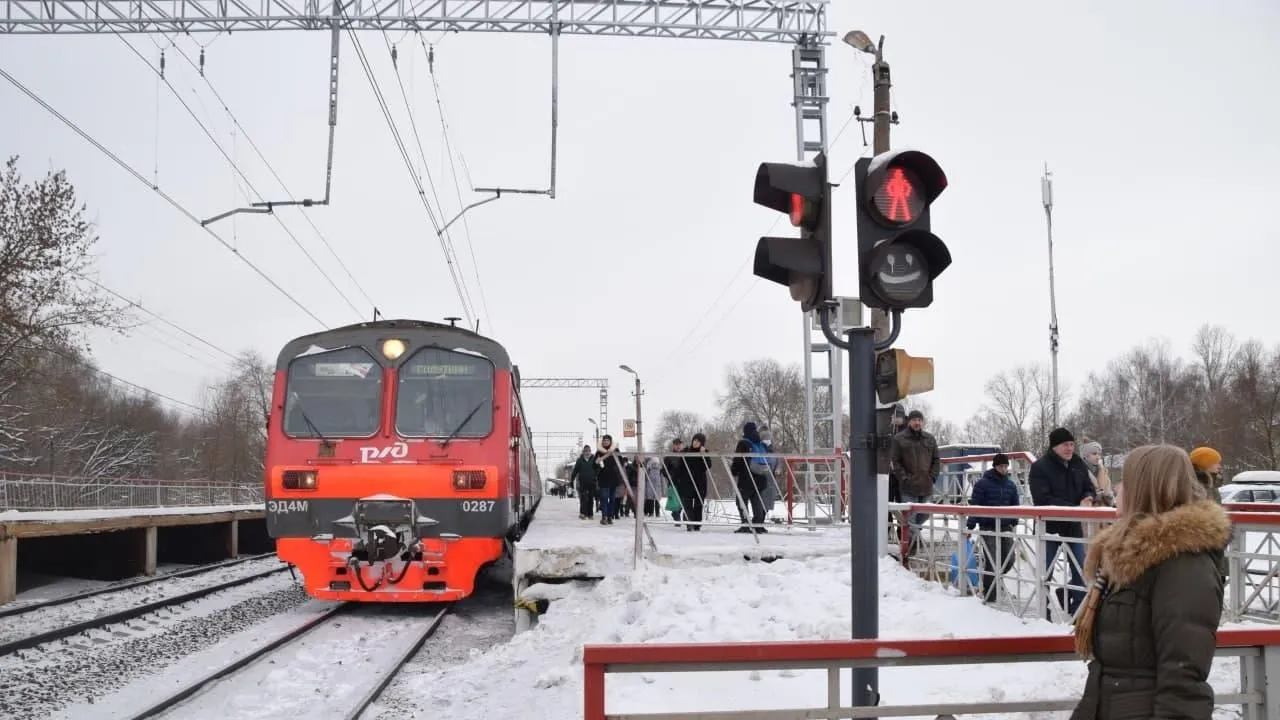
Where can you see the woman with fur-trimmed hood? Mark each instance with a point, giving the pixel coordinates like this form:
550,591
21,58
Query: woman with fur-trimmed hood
1149,625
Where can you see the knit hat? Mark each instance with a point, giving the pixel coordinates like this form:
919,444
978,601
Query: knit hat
999,459
914,414
1059,436
1090,448
1205,457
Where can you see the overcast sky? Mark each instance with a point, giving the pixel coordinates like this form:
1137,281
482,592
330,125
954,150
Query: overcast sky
1157,119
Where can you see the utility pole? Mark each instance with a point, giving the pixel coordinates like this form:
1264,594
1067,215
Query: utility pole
1046,199
638,501
882,120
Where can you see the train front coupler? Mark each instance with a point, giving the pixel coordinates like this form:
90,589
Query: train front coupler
387,529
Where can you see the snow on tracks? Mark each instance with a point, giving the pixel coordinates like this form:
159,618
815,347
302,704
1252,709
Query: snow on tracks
31,620
330,665
38,682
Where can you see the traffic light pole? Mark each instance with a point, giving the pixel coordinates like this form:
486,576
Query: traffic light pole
864,510
883,121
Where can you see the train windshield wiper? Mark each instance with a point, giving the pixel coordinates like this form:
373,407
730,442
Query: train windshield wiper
444,443
310,425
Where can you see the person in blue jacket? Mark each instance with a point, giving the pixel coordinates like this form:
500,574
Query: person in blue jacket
995,488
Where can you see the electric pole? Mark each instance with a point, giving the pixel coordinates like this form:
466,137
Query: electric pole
882,120
1046,198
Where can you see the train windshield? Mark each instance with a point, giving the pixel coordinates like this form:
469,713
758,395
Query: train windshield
334,394
445,393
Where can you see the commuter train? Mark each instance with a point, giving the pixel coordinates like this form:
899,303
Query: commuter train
398,460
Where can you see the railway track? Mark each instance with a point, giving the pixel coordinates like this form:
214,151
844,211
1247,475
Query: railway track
120,616
192,691
117,587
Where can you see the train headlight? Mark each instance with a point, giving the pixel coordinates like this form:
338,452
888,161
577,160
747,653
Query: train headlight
393,348
468,480
299,479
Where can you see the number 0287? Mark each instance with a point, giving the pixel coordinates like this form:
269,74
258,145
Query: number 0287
473,506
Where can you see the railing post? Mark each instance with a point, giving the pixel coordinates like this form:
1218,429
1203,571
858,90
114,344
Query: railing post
592,691
1237,570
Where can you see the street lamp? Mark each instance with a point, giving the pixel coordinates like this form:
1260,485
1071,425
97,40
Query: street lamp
640,476
597,427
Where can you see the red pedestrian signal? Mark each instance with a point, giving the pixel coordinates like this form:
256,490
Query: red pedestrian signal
896,197
899,257
801,192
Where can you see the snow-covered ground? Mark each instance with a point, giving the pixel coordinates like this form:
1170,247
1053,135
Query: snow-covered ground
32,623
52,516
541,670
40,681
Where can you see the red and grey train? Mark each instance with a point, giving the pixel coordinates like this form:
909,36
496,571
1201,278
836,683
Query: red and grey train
398,462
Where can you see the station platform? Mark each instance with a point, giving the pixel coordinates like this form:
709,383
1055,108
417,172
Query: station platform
118,543
558,546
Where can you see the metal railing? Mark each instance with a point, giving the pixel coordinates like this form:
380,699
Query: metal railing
1258,651
1024,570
20,491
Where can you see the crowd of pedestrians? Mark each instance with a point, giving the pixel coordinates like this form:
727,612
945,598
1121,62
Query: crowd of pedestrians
607,481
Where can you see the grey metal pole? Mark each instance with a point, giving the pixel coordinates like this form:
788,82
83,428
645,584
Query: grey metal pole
863,507
640,478
1046,198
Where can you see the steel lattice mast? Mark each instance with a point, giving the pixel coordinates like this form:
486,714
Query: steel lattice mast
799,23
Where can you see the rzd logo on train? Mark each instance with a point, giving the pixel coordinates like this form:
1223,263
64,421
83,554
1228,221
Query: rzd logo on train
398,451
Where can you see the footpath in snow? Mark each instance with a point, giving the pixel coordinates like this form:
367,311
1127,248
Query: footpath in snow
540,671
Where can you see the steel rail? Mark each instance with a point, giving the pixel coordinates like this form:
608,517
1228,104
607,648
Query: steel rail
64,599
128,614
239,663
375,692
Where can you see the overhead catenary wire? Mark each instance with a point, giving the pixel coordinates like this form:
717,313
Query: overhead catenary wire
453,170
446,235
156,189
346,268
408,163
135,304
678,349
235,166
82,362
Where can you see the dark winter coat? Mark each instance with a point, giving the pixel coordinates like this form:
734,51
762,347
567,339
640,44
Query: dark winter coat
679,473
914,455
584,473
1155,631
994,490
752,473
699,466
1054,482
609,469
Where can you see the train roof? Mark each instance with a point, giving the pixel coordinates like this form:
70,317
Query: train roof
418,333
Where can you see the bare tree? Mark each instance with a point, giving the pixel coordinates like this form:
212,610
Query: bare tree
676,424
766,392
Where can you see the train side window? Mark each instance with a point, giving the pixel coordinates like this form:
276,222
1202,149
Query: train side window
442,391
337,393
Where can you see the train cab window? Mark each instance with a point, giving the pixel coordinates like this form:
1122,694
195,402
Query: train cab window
331,394
445,393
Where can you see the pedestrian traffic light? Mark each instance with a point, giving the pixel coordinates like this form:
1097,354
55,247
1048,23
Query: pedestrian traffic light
899,375
803,264
898,256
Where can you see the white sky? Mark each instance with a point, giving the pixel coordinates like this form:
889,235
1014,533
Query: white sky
1156,118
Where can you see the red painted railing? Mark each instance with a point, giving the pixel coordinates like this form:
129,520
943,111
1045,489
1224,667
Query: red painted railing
600,660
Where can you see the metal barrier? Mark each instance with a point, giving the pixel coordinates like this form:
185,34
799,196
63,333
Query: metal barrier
790,489
1026,583
20,491
1258,651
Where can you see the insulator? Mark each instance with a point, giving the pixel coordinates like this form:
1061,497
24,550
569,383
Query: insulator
162,62
201,62
393,54
431,58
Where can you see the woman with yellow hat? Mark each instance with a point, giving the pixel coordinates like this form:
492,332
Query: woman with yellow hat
1208,465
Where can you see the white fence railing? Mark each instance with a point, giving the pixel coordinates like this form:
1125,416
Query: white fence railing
33,492
1032,573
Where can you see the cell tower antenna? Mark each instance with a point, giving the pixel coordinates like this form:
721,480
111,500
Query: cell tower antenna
1046,199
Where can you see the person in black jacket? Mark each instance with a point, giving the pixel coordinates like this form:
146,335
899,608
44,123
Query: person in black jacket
1060,478
584,479
609,476
697,467
995,489
751,474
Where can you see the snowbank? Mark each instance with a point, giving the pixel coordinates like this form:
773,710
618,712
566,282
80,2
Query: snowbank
786,600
